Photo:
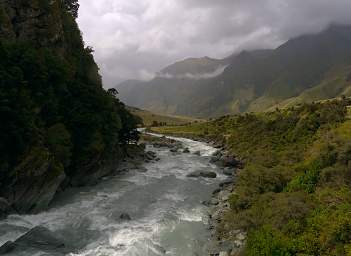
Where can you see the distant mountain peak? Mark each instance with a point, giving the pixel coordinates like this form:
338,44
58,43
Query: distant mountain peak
193,66
314,66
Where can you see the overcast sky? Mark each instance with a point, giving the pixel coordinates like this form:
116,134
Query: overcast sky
136,38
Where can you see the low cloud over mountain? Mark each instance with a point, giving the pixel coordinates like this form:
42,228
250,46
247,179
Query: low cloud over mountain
134,39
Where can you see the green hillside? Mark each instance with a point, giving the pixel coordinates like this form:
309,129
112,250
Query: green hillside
151,119
293,196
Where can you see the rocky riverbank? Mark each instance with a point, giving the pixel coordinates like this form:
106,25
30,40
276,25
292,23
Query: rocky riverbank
219,204
35,191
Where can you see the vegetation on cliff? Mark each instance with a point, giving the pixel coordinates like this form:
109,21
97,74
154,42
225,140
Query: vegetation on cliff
54,114
293,195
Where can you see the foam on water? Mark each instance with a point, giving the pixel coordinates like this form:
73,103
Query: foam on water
167,215
194,146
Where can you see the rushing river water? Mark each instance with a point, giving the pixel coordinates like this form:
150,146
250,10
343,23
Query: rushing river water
168,217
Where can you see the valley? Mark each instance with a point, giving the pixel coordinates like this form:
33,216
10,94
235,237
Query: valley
245,154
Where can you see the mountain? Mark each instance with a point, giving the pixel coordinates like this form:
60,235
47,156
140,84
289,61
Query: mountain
59,127
309,67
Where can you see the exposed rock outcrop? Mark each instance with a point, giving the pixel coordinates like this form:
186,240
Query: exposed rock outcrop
44,166
38,238
34,182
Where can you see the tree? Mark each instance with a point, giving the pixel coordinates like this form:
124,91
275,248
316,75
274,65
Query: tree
72,7
113,92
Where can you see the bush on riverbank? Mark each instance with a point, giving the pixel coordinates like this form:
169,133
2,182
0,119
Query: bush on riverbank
293,196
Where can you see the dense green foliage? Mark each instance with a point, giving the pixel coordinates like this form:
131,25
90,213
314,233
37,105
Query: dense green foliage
293,196
55,101
72,7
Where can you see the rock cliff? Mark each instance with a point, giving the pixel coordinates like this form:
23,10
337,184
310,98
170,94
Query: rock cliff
59,127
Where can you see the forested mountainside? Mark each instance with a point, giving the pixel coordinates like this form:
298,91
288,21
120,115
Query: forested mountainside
59,127
304,69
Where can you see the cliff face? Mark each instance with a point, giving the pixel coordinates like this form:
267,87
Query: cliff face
43,23
36,21
59,128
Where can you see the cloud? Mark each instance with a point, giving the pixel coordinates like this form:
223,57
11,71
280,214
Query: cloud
198,76
135,39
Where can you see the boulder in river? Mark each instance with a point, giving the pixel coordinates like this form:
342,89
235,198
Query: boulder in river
198,153
174,150
149,155
186,151
204,174
125,217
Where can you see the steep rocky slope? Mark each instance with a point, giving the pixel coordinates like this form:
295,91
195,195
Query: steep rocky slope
59,127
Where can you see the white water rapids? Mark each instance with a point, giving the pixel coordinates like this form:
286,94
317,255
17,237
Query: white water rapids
168,217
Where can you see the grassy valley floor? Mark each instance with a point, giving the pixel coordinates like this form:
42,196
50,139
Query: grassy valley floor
158,120
293,196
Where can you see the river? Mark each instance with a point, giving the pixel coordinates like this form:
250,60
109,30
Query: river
165,206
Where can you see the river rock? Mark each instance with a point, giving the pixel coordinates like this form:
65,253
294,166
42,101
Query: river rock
211,175
150,155
204,174
198,153
38,238
186,151
216,191
38,177
7,248
216,157
174,150
228,171
229,161
125,217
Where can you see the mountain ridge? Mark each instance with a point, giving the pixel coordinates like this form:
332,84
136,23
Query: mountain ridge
253,81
